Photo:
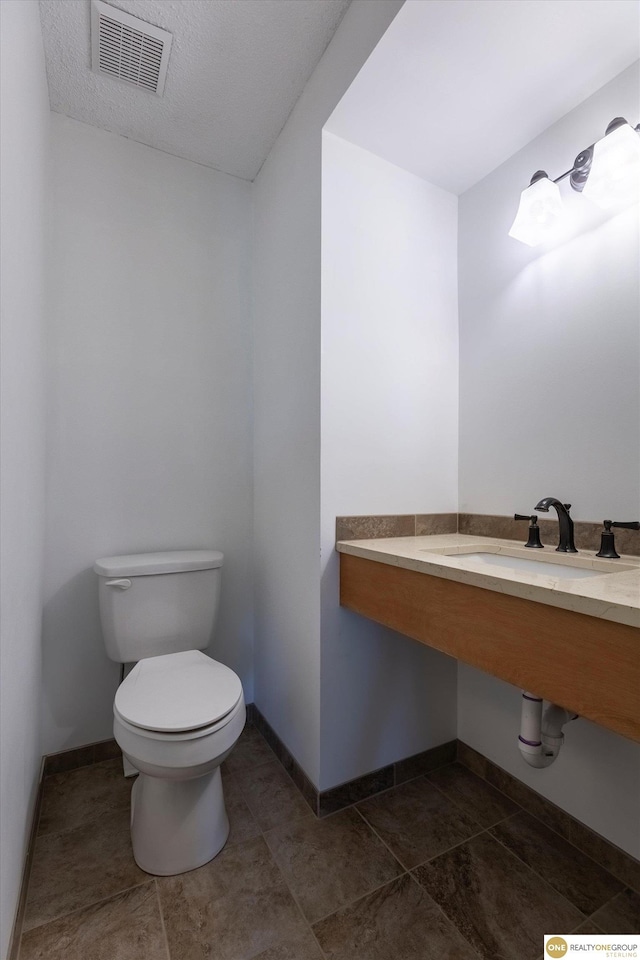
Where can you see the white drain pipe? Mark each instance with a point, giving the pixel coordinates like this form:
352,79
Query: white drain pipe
541,736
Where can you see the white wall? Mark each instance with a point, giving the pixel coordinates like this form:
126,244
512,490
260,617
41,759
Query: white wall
24,135
286,265
550,339
149,402
550,405
389,438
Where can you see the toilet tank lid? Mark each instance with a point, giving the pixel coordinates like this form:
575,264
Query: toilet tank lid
166,561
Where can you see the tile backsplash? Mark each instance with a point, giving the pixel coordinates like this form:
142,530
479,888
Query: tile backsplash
587,535
395,525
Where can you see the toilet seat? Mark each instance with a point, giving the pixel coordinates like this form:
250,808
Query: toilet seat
177,693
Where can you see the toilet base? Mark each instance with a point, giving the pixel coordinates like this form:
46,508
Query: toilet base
177,825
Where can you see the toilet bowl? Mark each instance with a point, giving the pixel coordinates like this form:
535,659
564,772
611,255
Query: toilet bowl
176,718
179,713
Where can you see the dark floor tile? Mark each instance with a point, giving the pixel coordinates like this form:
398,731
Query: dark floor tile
499,905
126,927
304,947
349,793
250,751
588,928
271,796
623,866
234,908
620,915
72,798
569,871
328,863
417,822
396,922
81,866
616,861
612,858
242,823
472,794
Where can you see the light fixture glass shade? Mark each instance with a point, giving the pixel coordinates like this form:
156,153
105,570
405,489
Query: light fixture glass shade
614,178
539,213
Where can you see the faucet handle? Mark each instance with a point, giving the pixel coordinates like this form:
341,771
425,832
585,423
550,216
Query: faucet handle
607,543
567,506
534,529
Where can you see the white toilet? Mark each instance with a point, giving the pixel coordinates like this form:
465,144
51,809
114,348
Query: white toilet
178,713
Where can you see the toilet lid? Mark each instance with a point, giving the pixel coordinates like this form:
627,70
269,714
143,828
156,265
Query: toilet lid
177,692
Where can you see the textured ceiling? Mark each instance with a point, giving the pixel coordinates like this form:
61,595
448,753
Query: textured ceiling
236,69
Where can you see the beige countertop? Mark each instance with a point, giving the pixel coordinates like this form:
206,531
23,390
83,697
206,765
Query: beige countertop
612,595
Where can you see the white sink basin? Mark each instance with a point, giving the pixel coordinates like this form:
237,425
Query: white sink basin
560,571
517,559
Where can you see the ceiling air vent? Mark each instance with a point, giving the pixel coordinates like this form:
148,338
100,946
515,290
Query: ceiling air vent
127,48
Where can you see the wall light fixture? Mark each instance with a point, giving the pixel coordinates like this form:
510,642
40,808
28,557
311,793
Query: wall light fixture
607,172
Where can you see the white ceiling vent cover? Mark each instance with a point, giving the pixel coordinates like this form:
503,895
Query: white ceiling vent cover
127,48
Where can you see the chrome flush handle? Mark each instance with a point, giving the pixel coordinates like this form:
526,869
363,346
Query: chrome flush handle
120,584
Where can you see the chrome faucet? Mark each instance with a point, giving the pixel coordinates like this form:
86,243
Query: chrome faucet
565,544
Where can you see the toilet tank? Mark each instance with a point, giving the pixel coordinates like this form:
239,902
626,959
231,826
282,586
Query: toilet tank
157,603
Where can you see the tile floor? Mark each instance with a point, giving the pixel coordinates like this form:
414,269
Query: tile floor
444,866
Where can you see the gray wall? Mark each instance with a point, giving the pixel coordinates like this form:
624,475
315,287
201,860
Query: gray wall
24,145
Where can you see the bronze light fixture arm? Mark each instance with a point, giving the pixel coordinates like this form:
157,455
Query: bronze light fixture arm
579,172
